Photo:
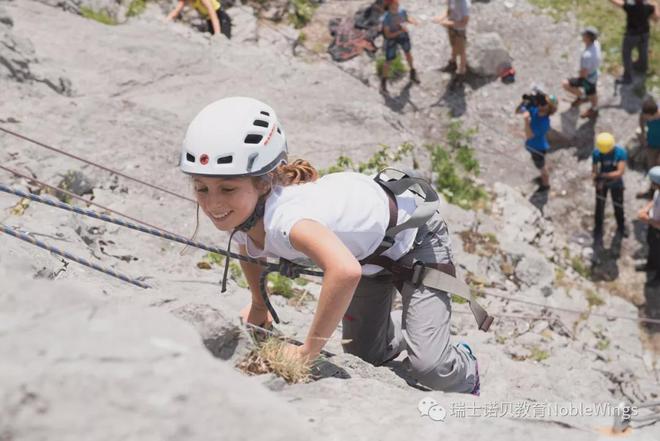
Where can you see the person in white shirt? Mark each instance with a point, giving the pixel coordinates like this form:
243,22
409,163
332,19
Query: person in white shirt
650,215
456,19
236,152
585,86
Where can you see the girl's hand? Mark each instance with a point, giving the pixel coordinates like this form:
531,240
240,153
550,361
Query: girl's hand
298,353
256,315
643,216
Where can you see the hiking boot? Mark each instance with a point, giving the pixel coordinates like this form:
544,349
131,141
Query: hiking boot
413,76
589,113
622,231
543,188
383,85
450,67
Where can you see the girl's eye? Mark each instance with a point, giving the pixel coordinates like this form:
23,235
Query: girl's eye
202,190
228,190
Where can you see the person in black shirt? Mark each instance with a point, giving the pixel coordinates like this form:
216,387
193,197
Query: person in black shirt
638,14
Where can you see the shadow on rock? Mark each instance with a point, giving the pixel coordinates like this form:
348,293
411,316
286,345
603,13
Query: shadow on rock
325,369
581,137
539,199
604,264
398,103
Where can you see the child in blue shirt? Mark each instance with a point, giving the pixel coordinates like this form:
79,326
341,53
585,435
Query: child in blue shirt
537,125
396,35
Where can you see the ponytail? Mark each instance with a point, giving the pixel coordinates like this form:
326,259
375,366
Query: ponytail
294,173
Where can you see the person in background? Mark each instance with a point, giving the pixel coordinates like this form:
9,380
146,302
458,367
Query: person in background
209,9
456,20
584,86
649,124
609,165
638,14
536,110
396,35
650,215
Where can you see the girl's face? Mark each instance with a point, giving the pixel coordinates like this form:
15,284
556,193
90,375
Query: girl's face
228,202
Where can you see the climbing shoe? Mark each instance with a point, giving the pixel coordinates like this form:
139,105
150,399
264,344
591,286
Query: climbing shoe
464,347
413,76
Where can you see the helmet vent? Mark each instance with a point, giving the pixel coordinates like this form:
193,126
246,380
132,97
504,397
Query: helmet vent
190,157
253,139
263,112
225,159
260,123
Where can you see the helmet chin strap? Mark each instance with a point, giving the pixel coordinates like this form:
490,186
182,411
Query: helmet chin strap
250,222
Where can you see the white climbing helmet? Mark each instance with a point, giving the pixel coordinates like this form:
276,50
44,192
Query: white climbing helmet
236,136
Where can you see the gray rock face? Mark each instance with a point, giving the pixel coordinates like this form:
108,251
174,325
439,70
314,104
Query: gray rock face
18,58
86,356
151,375
487,54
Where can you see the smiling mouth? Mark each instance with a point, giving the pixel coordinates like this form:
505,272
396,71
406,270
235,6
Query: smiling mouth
222,216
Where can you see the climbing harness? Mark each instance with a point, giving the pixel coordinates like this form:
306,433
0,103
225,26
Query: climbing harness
441,277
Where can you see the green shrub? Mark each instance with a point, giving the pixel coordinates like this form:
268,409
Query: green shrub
280,285
455,167
301,12
593,299
378,161
397,68
136,7
538,354
101,16
579,266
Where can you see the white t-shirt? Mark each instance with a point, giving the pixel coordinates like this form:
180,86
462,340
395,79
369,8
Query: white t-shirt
458,10
654,213
590,60
351,205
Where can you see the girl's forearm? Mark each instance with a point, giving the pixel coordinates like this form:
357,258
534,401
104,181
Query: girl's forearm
215,23
336,294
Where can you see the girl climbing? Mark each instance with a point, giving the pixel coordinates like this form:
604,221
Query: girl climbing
216,19
351,226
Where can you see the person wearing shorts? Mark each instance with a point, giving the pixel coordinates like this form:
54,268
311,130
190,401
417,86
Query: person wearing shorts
456,20
537,125
585,86
396,35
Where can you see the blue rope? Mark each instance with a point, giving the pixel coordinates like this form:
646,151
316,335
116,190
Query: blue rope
80,260
57,204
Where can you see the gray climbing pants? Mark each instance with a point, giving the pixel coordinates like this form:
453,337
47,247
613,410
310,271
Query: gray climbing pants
377,334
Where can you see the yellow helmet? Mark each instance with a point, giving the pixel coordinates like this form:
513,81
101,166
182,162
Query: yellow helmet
605,142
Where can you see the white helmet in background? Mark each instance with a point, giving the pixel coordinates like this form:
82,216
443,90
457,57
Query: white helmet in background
236,136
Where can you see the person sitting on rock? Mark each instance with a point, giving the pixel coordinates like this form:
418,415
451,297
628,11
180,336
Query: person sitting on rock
537,124
209,9
650,215
396,35
638,14
609,165
456,20
649,124
236,152
584,86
